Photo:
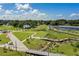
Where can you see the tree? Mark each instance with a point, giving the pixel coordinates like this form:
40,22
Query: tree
61,22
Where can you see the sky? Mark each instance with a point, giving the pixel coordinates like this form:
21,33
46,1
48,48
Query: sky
38,11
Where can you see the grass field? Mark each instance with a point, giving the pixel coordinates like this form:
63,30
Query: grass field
31,43
41,28
66,49
4,39
58,35
44,32
73,31
23,35
7,52
35,43
4,27
41,33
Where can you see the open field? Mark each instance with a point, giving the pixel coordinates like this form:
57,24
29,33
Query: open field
4,39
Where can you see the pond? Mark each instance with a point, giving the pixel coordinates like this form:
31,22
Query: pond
69,27
65,27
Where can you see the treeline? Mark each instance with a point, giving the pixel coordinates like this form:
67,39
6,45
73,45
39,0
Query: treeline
34,23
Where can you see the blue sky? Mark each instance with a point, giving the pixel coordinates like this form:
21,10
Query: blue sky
40,10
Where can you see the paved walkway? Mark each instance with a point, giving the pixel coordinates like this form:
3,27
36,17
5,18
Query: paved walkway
43,53
17,43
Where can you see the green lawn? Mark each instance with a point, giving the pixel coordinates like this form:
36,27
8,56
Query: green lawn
41,33
4,39
4,27
35,43
31,43
41,28
23,35
7,52
66,49
73,31
58,35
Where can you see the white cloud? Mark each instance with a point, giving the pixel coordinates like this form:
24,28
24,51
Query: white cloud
59,15
23,12
74,14
23,7
38,13
35,14
0,7
8,12
35,11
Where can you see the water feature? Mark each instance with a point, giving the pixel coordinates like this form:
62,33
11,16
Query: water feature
65,27
69,27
